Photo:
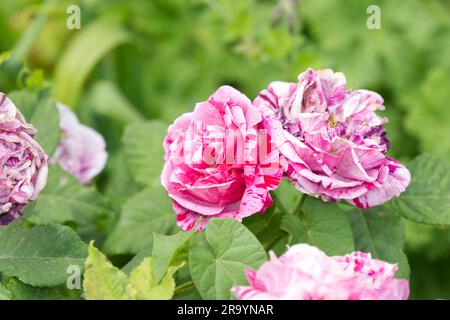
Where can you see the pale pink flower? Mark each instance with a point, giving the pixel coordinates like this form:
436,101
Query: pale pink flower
335,143
306,273
221,159
23,163
81,151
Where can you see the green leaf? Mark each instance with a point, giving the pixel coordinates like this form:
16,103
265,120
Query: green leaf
41,255
22,291
323,225
266,228
148,211
287,197
137,259
296,229
427,199
35,78
5,294
64,199
81,55
381,232
118,185
41,112
168,250
147,287
144,152
103,281
220,263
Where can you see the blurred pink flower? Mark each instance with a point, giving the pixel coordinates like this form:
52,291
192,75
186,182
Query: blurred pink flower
81,151
306,273
23,169
335,143
221,159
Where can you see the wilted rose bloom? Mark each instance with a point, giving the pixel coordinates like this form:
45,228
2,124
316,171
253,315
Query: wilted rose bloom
24,169
306,273
221,159
335,141
81,151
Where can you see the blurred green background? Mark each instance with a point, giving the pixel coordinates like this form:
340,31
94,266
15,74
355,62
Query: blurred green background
138,59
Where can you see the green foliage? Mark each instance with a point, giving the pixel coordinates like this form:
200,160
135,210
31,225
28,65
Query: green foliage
143,150
220,262
380,232
14,73
65,200
117,183
91,45
137,259
146,212
5,294
388,54
287,197
103,281
22,291
322,225
266,228
41,255
427,120
107,101
147,287
427,199
167,251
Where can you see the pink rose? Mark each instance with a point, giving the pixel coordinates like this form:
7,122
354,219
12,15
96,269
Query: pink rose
306,273
24,169
335,143
81,151
221,159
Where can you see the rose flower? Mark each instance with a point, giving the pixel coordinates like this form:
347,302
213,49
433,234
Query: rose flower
81,151
335,143
221,159
306,273
24,168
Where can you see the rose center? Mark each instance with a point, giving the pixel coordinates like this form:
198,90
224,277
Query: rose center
12,161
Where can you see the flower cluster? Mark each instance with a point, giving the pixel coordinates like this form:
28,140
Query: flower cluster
306,273
23,162
224,157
